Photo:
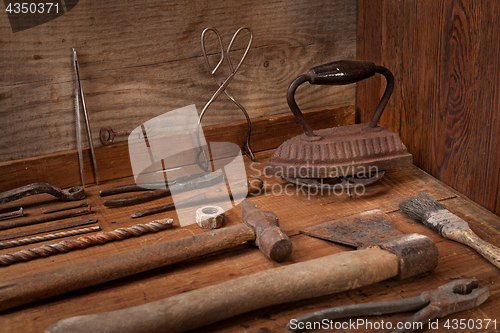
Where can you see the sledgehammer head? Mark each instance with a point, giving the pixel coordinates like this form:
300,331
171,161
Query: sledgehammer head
269,237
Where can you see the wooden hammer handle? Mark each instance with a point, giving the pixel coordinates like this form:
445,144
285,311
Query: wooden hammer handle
57,281
467,237
197,308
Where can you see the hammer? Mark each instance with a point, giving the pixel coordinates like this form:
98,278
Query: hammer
387,254
259,227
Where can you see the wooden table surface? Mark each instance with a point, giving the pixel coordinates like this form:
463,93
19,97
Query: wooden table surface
296,210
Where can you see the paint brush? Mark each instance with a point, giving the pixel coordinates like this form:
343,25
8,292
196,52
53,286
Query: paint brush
433,214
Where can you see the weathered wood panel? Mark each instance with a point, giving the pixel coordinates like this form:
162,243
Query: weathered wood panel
113,161
140,59
445,104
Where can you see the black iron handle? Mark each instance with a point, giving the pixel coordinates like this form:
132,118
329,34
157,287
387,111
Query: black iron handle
340,73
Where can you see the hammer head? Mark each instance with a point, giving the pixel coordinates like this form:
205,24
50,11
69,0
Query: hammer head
269,237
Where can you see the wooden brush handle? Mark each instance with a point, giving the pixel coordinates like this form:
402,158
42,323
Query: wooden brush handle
197,308
468,237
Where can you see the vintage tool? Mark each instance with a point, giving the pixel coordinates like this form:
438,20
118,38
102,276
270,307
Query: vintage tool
42,230
433,214
79,94
181,184
223,87
38,239
131,188
12,215
107,135
401,256
252,186
47,218
61,209
84,242
259,227
456,296
357,154
71,194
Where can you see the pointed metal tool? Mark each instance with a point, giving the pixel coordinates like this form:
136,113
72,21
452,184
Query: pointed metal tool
79,94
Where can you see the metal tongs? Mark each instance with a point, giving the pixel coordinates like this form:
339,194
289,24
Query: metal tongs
223,87
456,296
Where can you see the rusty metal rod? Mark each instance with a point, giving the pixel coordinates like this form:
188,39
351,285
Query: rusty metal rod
42,230
38,239
132,188
84,242
11,215
71,194
137,199
60,209
47,218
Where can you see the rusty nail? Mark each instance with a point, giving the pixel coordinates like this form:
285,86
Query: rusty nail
11,215
48,218
60,209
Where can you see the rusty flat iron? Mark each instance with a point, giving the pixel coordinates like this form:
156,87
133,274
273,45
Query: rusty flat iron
353,154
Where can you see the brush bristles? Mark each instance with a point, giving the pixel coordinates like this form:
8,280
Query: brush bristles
420,207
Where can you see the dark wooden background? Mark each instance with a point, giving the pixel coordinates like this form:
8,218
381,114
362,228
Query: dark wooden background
445,56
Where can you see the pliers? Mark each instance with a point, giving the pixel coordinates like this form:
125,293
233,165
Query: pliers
456,296
160,190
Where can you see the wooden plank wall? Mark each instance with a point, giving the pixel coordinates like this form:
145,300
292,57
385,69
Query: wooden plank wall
445,57
139,59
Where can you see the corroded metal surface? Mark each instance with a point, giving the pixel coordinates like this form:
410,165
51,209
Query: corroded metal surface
68,207
270,238
416,253
12,215
253,186
59,226
47,218
353,150
456,296
367,228
73,193
43,238
339,152
182,184
433,214
107,135
84,242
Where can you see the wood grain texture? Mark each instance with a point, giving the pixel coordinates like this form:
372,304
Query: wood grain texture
296,210
139,60
113,161
445,104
